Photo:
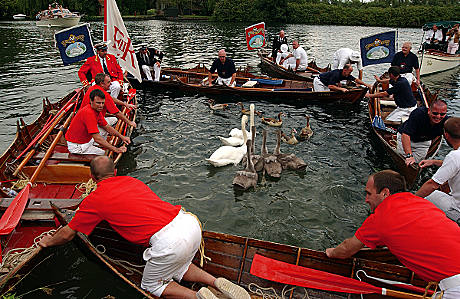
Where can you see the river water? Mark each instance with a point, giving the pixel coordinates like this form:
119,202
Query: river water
176,132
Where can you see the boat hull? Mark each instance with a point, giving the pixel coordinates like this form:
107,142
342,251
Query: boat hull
19,17
59,22
437,61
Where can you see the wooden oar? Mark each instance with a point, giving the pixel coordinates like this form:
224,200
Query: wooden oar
286,273
13,213
422,94
42,139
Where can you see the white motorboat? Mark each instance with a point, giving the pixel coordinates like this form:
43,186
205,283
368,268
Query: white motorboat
19,16
56,16
437,60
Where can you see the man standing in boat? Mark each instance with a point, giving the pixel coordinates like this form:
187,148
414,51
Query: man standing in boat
148,58
449,172
331,80
102,82
416,134
453,37
172,235
347,56
402,222
276,47
103,63
297,60
225,69
402,94
433,38
83,131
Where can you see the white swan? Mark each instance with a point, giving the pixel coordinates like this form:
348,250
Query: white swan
225,155
236,135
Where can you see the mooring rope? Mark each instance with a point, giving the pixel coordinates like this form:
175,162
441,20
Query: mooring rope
270,292
86,188
122,263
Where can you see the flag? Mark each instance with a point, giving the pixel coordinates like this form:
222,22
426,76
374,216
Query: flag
74,44
255,36
121,45
379,48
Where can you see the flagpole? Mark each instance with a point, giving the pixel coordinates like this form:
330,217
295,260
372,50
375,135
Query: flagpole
105,20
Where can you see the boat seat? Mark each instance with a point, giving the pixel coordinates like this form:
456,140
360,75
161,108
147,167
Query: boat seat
388,103
250,84
268,81
66,157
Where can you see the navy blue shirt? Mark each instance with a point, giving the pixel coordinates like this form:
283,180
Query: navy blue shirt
334,77
225,70
419,128
405,63
402,92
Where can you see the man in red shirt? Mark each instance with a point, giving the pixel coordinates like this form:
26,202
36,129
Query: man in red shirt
102,82
405,223
83,131
141,217
103,63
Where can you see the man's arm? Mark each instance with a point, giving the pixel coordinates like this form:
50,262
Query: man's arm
417,75
405,140
82,73
124,104
123,117
114,132
337,88
360,74
361,82
346,249
377,95
233,78
105,144
62,236
297,62
427,188
209,78
427,163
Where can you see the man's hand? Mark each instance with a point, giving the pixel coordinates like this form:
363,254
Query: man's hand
130,106
343,89
121,149
425,163
125,139
329,252
368,86
410,161
45,240
377,79
132,124
158,63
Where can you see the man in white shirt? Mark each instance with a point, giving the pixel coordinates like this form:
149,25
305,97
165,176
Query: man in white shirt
347,56
433,36
297,60
449,172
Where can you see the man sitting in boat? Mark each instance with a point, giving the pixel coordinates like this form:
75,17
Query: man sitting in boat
404,223
102,82
297,60
148,58
402,94
453,37
347,56
433,38
103,63
141,217
225,69
331,80
83,131
279,40
449,172
423,125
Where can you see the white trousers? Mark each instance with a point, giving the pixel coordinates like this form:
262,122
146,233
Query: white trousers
114,89
419,149
450,286
85,148
452,48
400,114
110,121
409,77
148,71
171,252
290,63
319,86
225,81
447,203
279,56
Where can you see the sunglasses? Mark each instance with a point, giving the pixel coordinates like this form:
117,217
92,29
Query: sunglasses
439,113
221,56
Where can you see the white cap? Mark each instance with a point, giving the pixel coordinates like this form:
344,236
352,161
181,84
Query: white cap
355,56
284,48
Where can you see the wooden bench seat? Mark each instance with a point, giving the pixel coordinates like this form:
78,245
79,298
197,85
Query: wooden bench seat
66,157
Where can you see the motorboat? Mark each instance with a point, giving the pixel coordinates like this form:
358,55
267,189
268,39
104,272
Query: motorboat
57,16
19,16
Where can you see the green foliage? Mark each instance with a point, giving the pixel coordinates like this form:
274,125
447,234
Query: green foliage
152,12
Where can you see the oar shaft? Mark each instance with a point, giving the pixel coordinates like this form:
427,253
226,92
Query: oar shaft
398,294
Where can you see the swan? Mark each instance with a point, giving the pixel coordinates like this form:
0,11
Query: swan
246,178
290,140
271,164
236,135
225,155
306,132
212,104
273,121
288,161
247,112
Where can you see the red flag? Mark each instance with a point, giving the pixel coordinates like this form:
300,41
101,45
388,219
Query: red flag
255,36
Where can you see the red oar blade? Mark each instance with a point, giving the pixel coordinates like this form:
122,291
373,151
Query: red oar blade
286,273
14,211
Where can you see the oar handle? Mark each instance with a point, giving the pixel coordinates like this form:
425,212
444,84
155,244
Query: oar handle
398,294
51,148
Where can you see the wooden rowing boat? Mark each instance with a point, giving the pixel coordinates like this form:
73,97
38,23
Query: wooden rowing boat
273,69
388,139
58,180
231,257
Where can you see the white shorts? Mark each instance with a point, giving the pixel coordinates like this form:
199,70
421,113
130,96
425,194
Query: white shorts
450,286
419,149
319,86
171,252
447,203
225,81
400,114
114,89
85,148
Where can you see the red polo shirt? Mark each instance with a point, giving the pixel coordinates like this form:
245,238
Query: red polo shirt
84,124
109,105
417,233
128,205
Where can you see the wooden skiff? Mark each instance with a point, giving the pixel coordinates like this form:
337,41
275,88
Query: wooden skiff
388,139
231,257
58,180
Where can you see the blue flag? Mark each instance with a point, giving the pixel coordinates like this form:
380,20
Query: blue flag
379,48
74,44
